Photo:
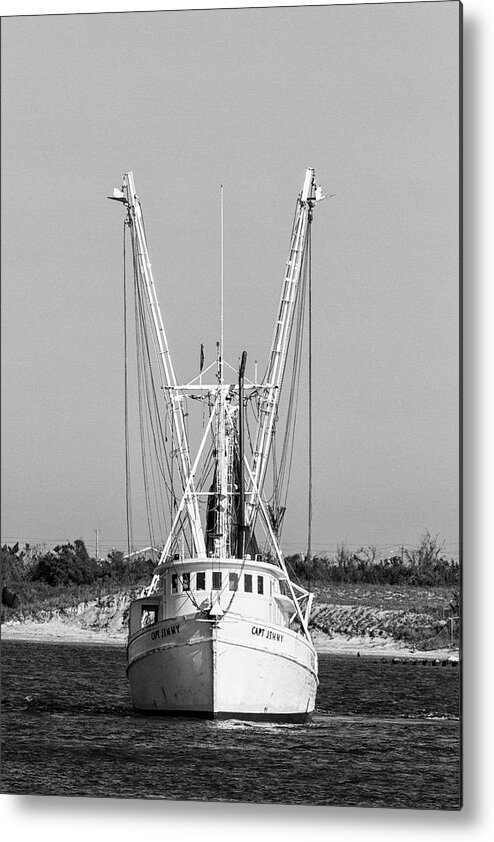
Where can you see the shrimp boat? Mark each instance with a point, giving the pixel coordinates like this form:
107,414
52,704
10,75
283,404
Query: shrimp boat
222,630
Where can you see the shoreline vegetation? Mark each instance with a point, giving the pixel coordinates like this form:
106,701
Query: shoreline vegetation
406,607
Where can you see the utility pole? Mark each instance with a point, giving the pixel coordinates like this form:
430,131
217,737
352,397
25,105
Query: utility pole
97,544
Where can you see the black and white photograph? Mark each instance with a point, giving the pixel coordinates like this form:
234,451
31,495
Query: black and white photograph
231,546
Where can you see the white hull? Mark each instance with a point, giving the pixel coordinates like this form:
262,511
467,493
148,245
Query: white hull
233,667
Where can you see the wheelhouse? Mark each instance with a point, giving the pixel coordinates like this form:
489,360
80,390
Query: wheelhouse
213,586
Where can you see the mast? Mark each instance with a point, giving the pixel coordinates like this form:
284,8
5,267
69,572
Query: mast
223,478
173,395
273,381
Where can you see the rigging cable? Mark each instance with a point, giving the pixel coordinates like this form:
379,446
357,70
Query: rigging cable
153,428
281,484
162,436
147,420
159,456
128,487
170,458
140,392
309,331
297,204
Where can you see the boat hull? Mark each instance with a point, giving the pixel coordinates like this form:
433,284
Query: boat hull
223,669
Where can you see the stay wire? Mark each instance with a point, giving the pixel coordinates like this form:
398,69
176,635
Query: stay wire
140,392
161,435
147,426
289,442
309,340
151,433
169,463
290,424
128,485
153,410
154,428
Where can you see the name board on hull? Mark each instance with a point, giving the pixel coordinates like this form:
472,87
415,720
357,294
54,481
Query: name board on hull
267,634
165,631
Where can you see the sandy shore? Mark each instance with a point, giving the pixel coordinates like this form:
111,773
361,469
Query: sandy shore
56,631
377,648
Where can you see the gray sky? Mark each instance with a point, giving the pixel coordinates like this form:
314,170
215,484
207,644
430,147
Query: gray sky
249,98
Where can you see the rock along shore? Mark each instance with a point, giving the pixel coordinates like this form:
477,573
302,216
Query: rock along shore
336,629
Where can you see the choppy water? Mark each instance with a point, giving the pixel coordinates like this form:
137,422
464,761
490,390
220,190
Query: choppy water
384,735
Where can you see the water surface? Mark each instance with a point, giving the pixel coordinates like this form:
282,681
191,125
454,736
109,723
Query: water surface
384,735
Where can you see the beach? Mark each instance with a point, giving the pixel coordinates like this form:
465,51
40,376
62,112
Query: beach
59,631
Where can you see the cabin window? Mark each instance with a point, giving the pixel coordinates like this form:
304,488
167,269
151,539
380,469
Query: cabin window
186,581
216,580
174,582
284,589
201,581
260,584
248,583
233,581
149,615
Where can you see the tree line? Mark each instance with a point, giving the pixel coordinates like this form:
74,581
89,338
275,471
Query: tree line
424,566
30,575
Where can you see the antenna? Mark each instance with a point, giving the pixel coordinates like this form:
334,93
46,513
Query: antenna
221,287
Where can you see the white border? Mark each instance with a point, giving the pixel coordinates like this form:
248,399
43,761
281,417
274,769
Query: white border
38,7
56,819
